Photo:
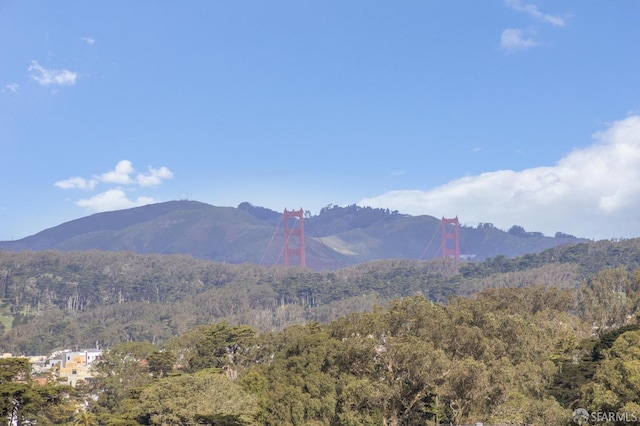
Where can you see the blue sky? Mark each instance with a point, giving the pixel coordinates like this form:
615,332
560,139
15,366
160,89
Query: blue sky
509,112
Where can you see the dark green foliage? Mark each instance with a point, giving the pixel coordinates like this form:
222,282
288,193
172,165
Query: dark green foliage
590,257
219,420
14,370
161,362
607,339
222,346
579,369
335,219
261,213
518,231
31,404
567,383
15,379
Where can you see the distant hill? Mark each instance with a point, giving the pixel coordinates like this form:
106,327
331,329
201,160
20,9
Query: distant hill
337,237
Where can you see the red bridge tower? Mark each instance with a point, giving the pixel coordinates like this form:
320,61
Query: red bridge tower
451,239
294,228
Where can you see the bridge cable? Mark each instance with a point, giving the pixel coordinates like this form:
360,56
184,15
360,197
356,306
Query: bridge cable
270,242
429,245
330,250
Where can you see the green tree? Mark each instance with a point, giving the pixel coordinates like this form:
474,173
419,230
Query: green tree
21,401
222,346
609,298
161,362
85,418
119,373
302,378
16,393
616,384
465,390
189,398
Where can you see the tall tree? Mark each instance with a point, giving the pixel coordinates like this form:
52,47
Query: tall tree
189,398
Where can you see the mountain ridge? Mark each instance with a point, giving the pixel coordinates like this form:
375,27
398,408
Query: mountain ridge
336,237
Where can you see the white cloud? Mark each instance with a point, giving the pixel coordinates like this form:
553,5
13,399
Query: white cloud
116,198
112,199
76,183
119,175
124,169
90,41
46,77
154,177
533,11
592,192
515,39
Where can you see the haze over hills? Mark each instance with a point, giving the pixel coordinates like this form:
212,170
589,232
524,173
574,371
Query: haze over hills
336,237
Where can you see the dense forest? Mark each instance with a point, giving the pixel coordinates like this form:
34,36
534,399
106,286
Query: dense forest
505,341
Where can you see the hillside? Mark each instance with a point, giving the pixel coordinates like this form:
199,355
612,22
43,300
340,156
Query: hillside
335,238
54,299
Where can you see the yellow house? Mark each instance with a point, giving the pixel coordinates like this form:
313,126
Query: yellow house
76,365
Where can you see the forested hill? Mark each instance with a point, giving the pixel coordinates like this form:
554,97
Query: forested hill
55,299
190,341
335,238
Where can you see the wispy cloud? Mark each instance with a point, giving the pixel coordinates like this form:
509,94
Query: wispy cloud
533,11
515,39
90,41
123,176
592,192
154,177
76,183
47,77
13,88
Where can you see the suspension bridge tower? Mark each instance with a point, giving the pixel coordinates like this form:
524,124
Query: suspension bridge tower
451,239
294,247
